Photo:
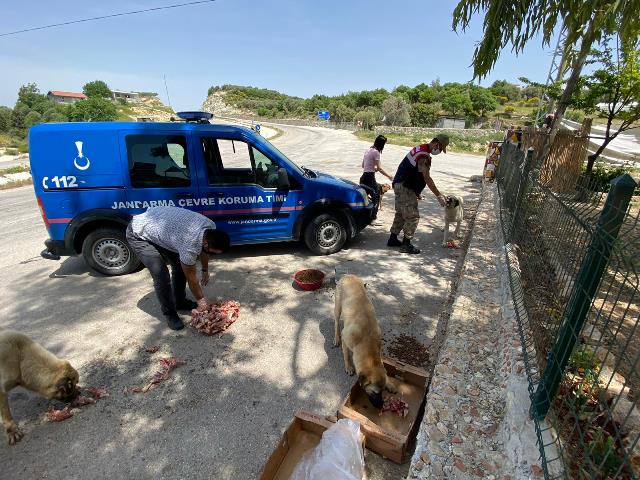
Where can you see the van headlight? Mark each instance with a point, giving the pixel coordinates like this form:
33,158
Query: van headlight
365,197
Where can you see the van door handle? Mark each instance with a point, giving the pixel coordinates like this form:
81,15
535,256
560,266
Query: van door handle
184,195
215,194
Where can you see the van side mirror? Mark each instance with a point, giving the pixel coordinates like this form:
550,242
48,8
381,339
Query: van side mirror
283,179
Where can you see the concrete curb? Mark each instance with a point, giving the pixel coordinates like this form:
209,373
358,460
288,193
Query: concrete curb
476,422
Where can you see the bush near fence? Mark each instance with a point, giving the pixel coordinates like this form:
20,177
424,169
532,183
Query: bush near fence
574,269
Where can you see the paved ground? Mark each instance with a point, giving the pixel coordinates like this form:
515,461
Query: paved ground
221,414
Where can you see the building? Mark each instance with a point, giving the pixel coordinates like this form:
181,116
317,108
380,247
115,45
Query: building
59,96
450,122
128,96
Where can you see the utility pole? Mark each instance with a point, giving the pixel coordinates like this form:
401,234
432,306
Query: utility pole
557,70
167,89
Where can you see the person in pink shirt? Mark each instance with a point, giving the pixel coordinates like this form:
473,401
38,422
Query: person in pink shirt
370,165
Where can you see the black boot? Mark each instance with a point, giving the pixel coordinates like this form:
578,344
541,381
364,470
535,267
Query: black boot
174,322
408,248
393,241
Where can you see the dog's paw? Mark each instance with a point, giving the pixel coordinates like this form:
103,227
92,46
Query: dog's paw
14,435
350,370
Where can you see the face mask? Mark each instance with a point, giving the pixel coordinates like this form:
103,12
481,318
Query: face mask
435,151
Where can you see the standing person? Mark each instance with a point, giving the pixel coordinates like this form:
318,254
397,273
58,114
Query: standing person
179,237
370,165
409,182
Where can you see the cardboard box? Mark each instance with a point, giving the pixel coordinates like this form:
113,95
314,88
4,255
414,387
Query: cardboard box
304,433
388,434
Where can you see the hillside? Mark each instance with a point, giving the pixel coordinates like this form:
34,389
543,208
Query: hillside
149,106
418,106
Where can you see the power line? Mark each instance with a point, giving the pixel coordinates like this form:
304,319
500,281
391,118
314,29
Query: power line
122,14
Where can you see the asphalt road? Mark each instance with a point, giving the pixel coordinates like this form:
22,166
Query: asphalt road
222,413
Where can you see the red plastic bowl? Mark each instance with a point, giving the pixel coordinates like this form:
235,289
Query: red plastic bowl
305,283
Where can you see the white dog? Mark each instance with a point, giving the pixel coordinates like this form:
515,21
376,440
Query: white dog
452,213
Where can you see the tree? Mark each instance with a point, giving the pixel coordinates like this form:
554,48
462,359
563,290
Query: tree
502,88
368,117
343,113
515,23
97,88
456,101
612,91
396,111
93,109
5,119
32,118
482,100
423,115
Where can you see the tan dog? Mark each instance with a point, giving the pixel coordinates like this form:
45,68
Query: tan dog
25,363
382,189
453,212
361,335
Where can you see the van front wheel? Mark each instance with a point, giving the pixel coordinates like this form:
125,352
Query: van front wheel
325,234
106,250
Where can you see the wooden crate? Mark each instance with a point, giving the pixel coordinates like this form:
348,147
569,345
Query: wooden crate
304,433
390,435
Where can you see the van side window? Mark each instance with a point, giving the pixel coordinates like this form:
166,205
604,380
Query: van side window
158,161
235,162
228,161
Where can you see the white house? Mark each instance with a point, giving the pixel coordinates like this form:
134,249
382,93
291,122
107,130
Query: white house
59,96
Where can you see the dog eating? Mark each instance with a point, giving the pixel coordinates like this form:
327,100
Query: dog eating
25,363
361,337
453,212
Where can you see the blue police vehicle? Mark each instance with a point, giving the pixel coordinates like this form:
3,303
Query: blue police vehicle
90,178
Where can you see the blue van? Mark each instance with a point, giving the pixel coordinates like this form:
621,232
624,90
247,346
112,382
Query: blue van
90,178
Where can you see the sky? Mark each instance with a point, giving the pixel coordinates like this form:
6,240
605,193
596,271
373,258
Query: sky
299,47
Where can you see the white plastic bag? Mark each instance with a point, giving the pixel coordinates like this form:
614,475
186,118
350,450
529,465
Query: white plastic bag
338,456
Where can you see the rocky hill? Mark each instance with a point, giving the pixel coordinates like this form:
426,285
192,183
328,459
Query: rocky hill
216,103
149,106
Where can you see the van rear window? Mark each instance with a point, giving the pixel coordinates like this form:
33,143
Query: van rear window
158,161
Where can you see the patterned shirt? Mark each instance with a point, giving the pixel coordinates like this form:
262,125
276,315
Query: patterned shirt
176,229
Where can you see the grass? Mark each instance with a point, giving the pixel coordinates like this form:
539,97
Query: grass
462,142
16,169
15,144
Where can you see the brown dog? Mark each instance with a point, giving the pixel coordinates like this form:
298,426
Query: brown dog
382,189
361,335
25,363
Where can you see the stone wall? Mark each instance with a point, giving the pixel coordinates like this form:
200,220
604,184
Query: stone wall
383,129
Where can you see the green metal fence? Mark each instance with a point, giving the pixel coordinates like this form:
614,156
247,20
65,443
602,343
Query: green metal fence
574,258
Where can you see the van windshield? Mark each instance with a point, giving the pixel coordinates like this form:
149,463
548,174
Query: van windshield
300,171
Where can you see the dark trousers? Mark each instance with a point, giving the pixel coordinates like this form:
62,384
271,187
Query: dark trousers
170,289
369,179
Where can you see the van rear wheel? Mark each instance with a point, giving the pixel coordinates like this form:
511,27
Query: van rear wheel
325,234
106,250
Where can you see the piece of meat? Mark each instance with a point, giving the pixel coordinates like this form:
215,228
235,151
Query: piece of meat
81,401
54,415
152,349
97,392
213,318
166,366
396,405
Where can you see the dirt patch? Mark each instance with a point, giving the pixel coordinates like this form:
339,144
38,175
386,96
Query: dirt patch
409,350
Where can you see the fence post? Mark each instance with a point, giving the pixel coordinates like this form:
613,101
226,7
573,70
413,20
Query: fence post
522,187
591,270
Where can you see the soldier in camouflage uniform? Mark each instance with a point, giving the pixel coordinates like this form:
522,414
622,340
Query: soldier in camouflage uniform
410,179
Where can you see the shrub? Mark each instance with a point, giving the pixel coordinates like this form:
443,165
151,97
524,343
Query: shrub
575,115
509,109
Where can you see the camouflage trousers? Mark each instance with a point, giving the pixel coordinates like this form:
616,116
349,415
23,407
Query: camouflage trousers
407,214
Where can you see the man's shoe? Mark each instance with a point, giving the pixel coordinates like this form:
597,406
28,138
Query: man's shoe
393,241
408,248
175,323
186,304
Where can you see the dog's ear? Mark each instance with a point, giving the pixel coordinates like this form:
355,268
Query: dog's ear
456,202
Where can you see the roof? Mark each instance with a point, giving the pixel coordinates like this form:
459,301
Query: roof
60,93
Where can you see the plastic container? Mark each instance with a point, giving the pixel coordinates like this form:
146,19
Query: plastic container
309,279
